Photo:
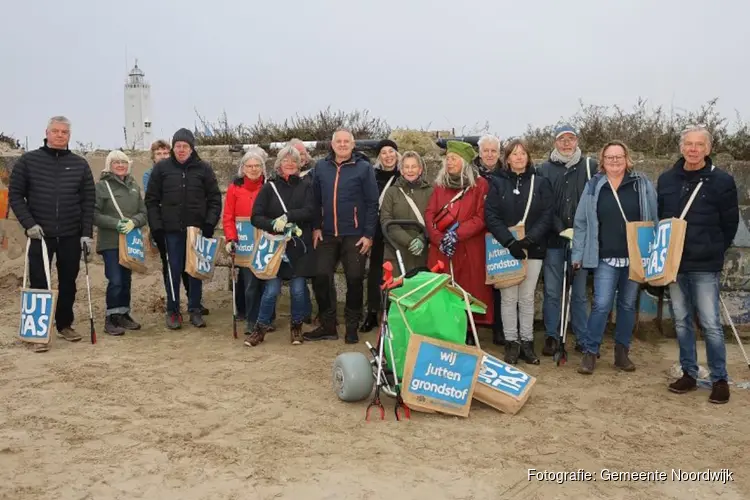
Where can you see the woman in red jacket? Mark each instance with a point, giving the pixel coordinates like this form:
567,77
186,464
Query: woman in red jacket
456,228
241,196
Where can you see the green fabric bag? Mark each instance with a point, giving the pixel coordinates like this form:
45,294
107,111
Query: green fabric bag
432,307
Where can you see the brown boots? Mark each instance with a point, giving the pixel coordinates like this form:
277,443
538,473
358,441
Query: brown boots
622,361
296,333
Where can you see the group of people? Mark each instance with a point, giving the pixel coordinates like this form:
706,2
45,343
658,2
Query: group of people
573,209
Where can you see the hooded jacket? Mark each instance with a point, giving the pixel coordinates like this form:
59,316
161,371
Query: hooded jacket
586,237
55,189
396,207
504,208
346,197
129,199
181,195
713,218
567,184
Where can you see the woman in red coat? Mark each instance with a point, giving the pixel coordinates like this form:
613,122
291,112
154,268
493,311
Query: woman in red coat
241,196
455,225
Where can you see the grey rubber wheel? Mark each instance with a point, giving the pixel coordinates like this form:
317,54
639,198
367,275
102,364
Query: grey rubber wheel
352,376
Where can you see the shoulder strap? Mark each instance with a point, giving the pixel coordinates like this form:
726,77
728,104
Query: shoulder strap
382,195
273,185
588,168
45,261
114,201
528,202
413,206
617,199
692,196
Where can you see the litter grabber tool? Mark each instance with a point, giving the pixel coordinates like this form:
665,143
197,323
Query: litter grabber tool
234,299
561,355
88,293
734,330
171,283
376,403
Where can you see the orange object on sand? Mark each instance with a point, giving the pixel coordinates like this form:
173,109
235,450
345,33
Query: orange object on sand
4,203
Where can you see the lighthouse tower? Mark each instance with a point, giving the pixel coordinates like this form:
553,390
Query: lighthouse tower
137,110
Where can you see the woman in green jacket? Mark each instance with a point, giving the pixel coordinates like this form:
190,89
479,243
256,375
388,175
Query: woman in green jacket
113,217
406,199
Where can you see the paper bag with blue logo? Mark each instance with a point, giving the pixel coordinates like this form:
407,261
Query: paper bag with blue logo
440,376
503,270
131,246
267,254
640,237
200,254
37,305
503,386
666,250
243,255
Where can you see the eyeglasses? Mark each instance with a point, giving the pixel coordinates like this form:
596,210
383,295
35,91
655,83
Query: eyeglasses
567,140
252,165
614,158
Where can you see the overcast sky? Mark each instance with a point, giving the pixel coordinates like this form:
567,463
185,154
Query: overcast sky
416,63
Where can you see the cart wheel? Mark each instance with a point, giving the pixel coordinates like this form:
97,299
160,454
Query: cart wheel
352,376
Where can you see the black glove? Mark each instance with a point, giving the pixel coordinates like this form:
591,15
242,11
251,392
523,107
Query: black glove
526,243
207,231
516,250
159,239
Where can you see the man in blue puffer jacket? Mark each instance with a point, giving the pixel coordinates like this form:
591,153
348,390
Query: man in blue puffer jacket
346,214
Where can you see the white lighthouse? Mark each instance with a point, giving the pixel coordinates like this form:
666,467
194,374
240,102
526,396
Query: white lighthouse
137,110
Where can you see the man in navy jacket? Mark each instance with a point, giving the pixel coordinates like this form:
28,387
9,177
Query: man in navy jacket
712,221
346,215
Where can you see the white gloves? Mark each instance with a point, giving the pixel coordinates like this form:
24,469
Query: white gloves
35,232
279,223
568,234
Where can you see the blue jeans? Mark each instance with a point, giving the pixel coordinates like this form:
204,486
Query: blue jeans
553,283
700,291
176,254
118,283
271,294
253,292
607,281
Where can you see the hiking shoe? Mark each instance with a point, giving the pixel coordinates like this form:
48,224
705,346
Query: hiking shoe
528,354
719,392
174,321
588,362
39,347
498,337
550,346
112,327
326,331
512,351
204,311
296,333
622,361
684,384
257,336
69,334
126,321
196,319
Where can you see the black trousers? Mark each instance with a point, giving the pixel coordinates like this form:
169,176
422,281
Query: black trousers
375,275
185,276
67,253
329,253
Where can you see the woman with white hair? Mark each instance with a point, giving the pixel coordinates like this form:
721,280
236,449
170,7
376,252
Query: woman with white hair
456,227
241,195
285,205
119,208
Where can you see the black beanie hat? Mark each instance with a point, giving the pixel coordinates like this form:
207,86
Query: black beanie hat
184,135
384,143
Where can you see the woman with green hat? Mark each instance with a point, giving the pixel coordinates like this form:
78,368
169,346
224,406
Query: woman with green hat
455,225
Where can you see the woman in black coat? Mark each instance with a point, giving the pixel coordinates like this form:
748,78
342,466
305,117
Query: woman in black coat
505,207
293,216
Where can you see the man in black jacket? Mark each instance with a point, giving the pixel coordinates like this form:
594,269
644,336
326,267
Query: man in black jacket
712,221
182,192
52,195
568,171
